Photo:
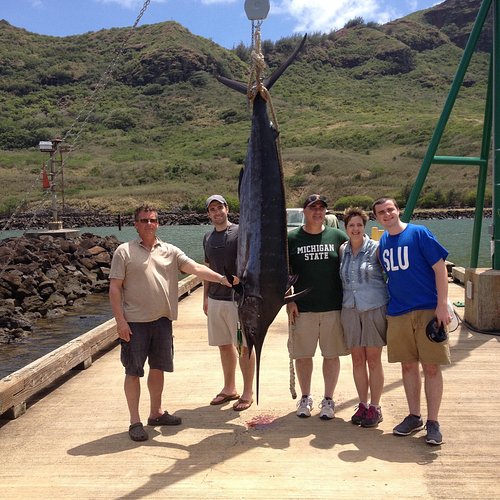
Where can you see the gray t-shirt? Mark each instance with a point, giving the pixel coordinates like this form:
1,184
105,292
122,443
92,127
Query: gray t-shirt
221,250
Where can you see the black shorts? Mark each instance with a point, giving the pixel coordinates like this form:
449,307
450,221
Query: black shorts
152,341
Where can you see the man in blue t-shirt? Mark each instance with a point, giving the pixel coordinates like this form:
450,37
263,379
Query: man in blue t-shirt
418,289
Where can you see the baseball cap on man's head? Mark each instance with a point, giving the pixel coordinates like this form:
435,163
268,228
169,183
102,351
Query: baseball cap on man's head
313,199
216,197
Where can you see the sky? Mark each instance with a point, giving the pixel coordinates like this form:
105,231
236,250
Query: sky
223,21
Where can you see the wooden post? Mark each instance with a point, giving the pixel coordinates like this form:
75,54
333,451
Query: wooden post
482,299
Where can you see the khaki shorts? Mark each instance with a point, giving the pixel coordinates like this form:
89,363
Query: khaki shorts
313,327
407,341
222,322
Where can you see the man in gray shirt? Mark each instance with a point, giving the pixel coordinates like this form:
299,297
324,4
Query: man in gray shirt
221,248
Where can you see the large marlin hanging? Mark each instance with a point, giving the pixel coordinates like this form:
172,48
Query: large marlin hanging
262,241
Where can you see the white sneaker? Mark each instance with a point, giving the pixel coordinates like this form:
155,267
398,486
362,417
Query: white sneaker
327,408
304,407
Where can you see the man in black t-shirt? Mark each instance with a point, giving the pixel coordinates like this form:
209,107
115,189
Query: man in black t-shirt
221,248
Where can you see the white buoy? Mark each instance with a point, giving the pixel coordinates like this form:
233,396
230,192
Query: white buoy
256,9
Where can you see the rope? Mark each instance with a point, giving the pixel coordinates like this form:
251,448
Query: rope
293,392
255,81
258,66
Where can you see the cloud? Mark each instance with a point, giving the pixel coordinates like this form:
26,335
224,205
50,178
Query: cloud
327,15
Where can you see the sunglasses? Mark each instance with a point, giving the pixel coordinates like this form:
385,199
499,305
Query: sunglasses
314,198
152,221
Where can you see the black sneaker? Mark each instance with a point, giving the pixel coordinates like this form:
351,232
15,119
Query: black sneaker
434,436
409,425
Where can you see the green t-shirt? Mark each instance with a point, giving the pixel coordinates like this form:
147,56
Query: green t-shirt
315,259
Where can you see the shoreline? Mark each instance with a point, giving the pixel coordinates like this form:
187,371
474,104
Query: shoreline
75,218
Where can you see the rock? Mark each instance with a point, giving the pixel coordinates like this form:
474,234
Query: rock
46,292
104,273
5,293
9,319
4,336
101,285
102,258
18,334
55,313
52,274
6,309
87,276
88,263
28,287
34,303
13,279
33,316
96,250
5,254
55,300
79,303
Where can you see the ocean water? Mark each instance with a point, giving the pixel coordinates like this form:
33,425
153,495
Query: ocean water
454,234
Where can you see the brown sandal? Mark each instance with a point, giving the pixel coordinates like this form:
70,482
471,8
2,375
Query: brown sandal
225,398
242,404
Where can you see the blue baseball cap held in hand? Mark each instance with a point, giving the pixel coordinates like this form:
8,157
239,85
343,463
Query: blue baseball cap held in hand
436,332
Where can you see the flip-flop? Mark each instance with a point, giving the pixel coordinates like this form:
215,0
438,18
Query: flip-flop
225,398
242,404
136,432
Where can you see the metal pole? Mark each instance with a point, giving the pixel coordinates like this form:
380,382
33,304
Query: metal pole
483,170
53,186
61,163
495,244
448,106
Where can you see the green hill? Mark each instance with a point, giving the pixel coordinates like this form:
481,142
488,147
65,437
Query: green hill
356,112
